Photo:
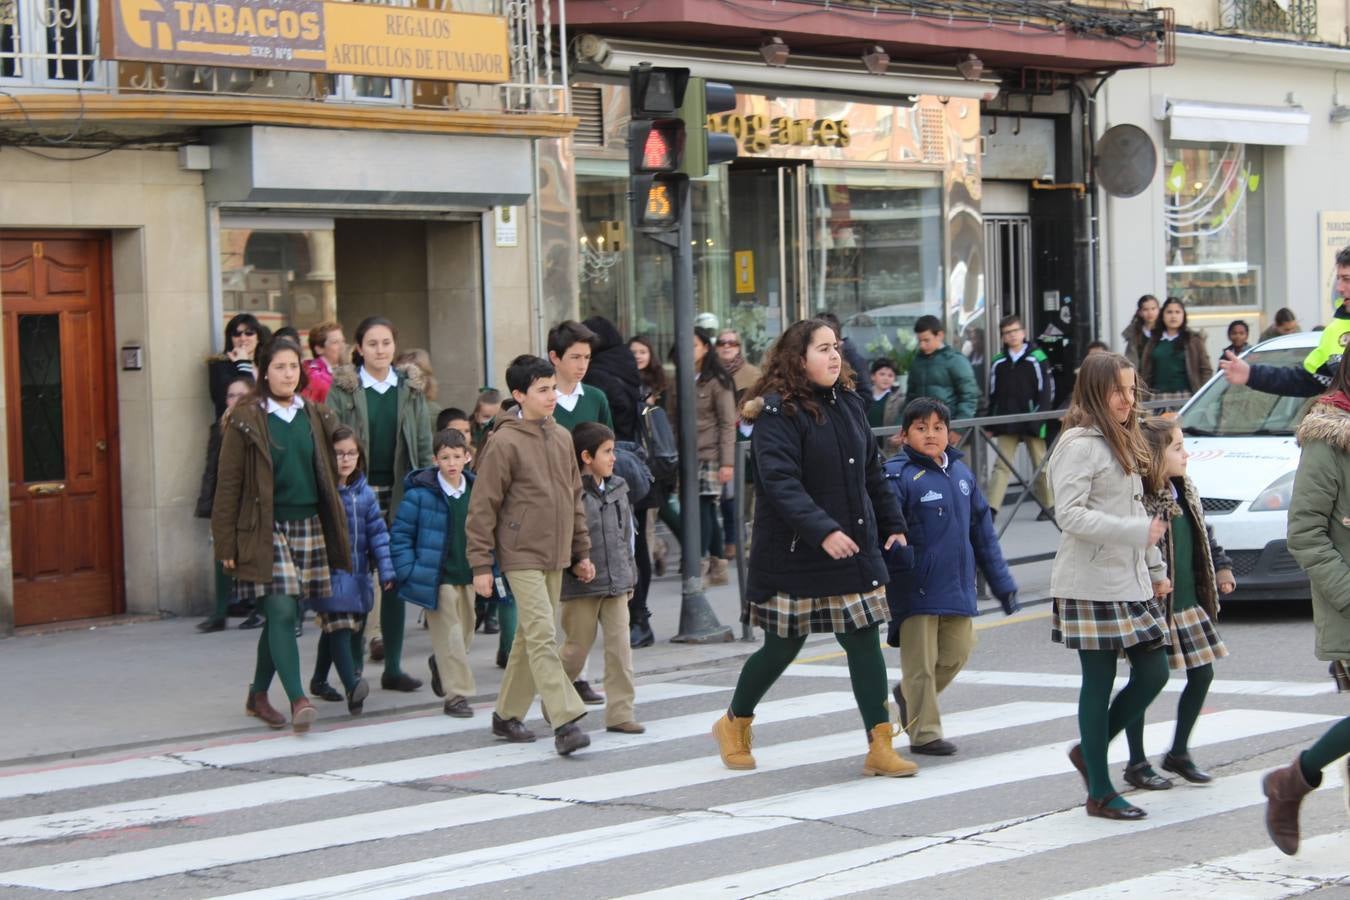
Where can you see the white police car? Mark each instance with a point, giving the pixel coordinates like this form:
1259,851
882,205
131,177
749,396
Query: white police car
1243,459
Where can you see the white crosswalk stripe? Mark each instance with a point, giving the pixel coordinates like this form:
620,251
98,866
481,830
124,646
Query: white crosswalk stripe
204,826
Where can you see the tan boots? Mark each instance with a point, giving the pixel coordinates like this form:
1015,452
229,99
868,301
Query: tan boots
881,756
733,740
717,572
1285,789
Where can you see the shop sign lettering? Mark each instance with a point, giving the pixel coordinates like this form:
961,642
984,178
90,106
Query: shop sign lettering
309,36
757,133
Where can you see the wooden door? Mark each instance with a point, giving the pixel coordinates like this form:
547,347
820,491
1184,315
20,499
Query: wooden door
64,505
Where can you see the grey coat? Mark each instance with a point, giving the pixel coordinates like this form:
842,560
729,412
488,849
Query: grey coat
609,519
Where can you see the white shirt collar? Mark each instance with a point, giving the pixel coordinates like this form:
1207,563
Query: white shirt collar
1169,337
368,381
285,413
453,493
569,401
1014,357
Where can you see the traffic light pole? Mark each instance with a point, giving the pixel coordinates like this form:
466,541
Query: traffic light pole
698,622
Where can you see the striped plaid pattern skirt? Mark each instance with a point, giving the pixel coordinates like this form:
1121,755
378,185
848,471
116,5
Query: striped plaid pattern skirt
330,622
299,563
1098,625
1195,640
790,617
708,485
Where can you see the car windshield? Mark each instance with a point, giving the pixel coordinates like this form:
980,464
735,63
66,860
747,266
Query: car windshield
1223,408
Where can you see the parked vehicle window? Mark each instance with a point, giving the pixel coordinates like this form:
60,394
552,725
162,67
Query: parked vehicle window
1223,409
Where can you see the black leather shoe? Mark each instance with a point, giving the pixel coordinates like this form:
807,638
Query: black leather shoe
1076,757
938,747
1182,765
458,707
588,694
376,650
901,708
435,676
570,738
400,682
490,622
502,658
1142,776
511,729
253,621
206,626
356,700
324,691
1099,809
640,635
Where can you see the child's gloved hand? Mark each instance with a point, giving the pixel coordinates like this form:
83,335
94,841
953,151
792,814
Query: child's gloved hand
1009,603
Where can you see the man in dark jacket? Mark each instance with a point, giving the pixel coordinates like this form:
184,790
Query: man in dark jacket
940,372
614,371
1019,382
931,591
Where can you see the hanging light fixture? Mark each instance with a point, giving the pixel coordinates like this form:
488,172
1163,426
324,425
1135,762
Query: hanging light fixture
774,51
876,60
971,68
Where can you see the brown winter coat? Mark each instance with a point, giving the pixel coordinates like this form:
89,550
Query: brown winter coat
526,505
241,515
716,415
1209,559
1198,367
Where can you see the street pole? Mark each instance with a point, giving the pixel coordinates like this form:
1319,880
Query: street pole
698,622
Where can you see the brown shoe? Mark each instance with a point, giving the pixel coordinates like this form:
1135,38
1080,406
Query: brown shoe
588,694
258,706
511,729
881,756
376,649
1285,789
733,737
627,728
303,715
1126,813
1076,757
458,707
717,572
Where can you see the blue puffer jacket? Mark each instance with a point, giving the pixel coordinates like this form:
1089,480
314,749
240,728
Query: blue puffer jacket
352,591
420,541
950,532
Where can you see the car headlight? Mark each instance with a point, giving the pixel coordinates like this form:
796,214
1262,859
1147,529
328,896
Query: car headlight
1276,496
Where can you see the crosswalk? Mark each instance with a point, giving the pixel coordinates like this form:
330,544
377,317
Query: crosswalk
428,805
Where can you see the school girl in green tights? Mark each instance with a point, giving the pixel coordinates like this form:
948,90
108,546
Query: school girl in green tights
1319,538
277,520
1105,598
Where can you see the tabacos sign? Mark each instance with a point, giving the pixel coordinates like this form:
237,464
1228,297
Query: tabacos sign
757,133
309,36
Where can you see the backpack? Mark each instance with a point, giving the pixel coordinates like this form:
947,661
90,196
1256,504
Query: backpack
658,440
632,468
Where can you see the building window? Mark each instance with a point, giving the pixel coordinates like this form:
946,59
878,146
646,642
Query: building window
1215,220
282,273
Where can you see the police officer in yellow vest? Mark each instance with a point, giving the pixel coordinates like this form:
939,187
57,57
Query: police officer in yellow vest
1314,376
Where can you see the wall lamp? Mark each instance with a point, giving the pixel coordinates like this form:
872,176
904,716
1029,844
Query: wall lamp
971,68
774,51
876,60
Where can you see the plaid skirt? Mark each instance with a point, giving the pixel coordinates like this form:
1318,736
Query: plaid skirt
708,485
330,622
299,563
1195,640
1099,625
790,617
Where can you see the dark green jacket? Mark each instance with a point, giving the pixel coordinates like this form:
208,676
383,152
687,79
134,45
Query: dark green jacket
412,449
947,376
1319,524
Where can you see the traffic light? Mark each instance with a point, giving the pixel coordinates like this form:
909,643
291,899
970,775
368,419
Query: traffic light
656,144
704,148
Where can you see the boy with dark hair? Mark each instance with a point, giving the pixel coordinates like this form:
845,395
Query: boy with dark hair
940,372
569,350
932,592
527,512
456,418
885,401
1019,382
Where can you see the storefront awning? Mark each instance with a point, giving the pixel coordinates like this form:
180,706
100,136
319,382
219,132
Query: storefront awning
1276,126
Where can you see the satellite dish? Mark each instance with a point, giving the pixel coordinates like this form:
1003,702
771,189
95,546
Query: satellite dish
1125,160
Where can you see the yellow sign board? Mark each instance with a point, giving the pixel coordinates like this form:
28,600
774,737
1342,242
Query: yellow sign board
309,36
745,271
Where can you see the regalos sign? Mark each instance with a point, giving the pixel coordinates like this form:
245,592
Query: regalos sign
309,36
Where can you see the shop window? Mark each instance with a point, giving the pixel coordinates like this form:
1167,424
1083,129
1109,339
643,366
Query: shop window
1213,210
876,246
282,273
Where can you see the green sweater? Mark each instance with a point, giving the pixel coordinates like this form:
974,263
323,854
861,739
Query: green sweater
592,406
1183,560
1169,368
295,493
382,411
456,569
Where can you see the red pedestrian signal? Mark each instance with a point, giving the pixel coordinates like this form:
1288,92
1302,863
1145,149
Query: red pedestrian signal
656,145
657,153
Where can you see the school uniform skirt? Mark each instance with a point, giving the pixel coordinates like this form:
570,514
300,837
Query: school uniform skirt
708,483
299,563
1195,640
792,617
1098,625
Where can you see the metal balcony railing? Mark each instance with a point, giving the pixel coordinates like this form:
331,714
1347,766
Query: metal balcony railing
1295,18
53,45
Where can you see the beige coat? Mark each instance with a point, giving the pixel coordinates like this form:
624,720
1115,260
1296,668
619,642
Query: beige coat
716,415
1103,544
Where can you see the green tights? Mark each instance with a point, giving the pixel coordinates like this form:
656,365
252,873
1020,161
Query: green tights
278,652
392,619
341,650
1189,706
866,668
1100,718
1329,748
506,620
224,591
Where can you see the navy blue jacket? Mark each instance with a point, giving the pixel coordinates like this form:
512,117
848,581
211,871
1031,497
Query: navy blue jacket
420,539
950,532
813,478
352,591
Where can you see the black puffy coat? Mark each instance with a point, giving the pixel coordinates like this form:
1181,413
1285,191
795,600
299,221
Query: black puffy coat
813,478
614,370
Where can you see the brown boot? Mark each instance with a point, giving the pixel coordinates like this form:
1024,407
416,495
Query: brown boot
258,706
881,756
733,740
303,715
1285,789
717,571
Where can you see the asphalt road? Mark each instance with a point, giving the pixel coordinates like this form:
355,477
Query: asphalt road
424,805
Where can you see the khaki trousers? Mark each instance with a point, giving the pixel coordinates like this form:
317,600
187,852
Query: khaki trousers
373,618
998,484
580,616
932,650
451,626
534,666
